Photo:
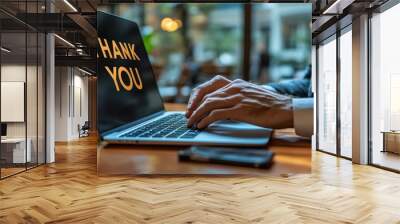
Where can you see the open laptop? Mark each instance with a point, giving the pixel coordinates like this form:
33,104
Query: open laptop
130,108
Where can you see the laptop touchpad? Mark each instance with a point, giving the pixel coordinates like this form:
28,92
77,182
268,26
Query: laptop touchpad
237,129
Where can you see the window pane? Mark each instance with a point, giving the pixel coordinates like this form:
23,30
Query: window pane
281,39
346,94
385,88
327,97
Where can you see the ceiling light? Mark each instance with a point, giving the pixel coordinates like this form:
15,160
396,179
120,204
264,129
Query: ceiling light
65,41
338,6
70,5
170,25
5,50
333,6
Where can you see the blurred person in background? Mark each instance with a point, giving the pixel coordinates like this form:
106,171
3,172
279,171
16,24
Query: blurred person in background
263,64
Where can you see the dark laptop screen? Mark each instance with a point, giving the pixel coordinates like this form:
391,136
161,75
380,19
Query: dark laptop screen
126,87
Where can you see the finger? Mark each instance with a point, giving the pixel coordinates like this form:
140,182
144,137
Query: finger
213,95
208,87
217,115
228,90
215,83
212,104
234,87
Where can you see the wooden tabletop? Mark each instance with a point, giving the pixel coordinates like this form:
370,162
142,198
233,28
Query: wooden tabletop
292,156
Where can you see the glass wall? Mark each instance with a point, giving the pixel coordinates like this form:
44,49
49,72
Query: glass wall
22,92
346,93
385,89
327,96
335,137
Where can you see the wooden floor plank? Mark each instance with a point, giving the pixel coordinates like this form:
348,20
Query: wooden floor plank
69,191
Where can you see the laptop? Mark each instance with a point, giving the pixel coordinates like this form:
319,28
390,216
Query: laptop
130,107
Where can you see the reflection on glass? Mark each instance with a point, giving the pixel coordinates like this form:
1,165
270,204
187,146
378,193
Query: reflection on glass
346,94
385,84
327,97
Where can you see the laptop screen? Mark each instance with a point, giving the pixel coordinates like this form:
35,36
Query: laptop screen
126,87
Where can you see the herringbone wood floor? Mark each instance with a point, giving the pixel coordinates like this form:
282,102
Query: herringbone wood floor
70,192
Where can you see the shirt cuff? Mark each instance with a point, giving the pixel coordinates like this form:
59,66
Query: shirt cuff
303,117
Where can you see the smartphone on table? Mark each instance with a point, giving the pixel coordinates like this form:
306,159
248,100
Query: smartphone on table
250,157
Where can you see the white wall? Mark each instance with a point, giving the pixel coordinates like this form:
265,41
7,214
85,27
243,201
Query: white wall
12,73
33,127
71,102
62,81
16,73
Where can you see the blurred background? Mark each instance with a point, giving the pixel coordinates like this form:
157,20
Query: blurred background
188,44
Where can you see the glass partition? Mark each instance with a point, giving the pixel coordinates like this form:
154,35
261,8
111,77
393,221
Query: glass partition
327,96
15,150
346,93
22,91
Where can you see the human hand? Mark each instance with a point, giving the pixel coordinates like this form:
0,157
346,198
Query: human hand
199,92
222,99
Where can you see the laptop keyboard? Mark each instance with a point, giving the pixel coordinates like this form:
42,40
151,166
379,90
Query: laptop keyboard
170,126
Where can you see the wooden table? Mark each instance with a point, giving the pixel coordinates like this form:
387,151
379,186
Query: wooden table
292,156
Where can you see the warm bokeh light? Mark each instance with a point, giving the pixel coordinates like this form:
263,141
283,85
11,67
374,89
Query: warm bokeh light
170,25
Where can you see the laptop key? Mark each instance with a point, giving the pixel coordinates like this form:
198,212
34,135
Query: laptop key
145,135
170,126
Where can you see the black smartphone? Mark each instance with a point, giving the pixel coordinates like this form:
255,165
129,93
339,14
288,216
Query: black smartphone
250,157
